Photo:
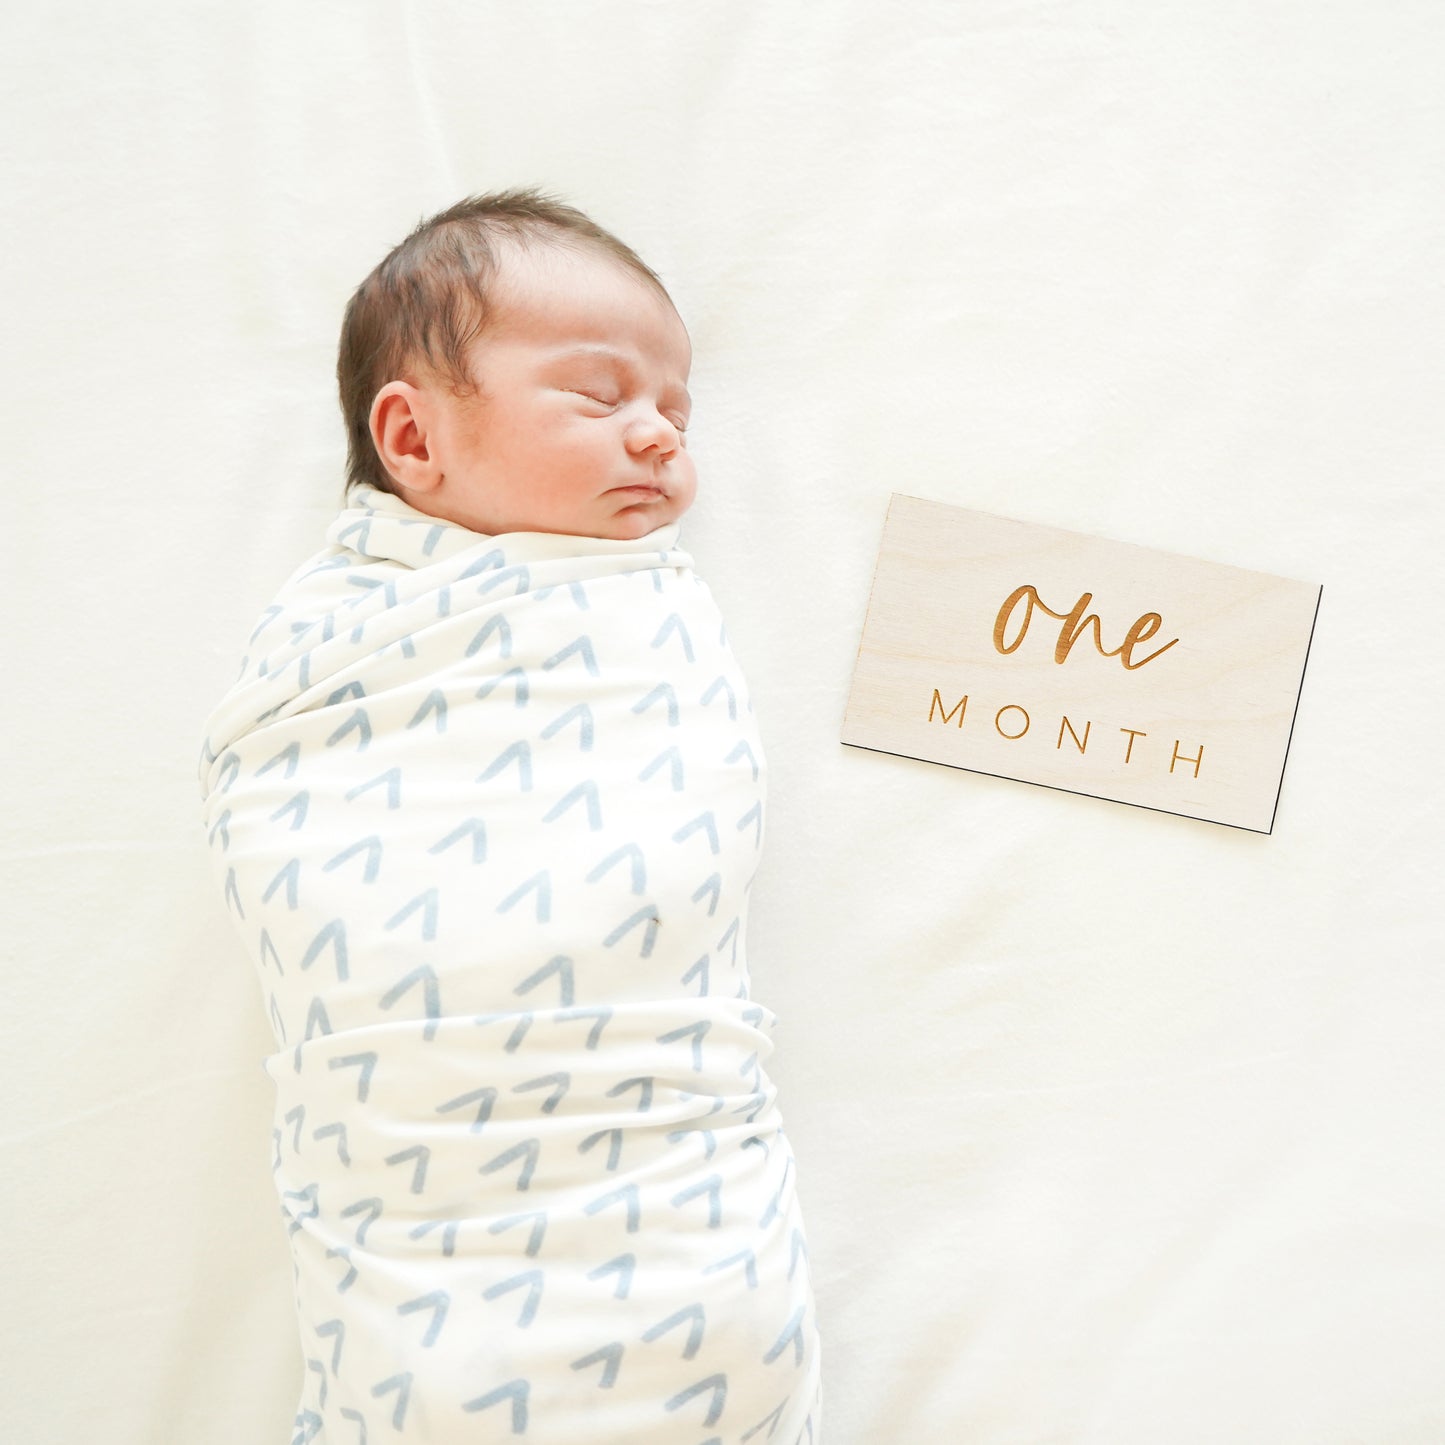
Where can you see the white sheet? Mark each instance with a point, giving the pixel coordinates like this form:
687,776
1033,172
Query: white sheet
1112,1128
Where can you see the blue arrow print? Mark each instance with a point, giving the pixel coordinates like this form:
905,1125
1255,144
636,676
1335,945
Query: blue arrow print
630,852
514,1390
538,1219
743,750
527,1151
402,1385
334,933
370,846
644,1090
333,1328
799,1248
582,648
627,1195
674,624
531,1280
495,557
289,875
746,1258
230,768
343,1253
792,1335
623,1267
391,778
520,572
610,1357
296,805
233,893
768,1422
712,1187
709,1139
720,685
646,914
438,1301
317,1022
542,883
449,1234
585,790
426,976
478,833
562,967
711,884
298,1116
358,723
369,1207
484,1098
435,702
352,689
367,1064
694,1317
671,756
698,971
718,1384
519,752
339,1130
289,755
583,716
502,628
517,677
663,693
600,1017
614,1147
703,820
698,1031
427,902
421,1153
560,1082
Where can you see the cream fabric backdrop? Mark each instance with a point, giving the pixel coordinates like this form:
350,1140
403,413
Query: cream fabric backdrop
1113,1128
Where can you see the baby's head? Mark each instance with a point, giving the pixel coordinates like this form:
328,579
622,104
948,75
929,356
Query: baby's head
513,367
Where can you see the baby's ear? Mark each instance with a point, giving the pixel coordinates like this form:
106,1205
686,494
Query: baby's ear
401,421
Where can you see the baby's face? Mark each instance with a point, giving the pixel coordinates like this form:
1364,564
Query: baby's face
578,422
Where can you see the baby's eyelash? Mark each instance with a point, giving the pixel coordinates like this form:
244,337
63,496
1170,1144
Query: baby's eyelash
680,424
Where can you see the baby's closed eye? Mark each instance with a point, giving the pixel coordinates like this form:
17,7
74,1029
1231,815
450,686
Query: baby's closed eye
599,395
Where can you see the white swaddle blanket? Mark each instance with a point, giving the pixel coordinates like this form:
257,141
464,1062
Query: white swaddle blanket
486,811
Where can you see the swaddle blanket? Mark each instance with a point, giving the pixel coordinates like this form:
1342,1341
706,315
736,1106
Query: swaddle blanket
486,811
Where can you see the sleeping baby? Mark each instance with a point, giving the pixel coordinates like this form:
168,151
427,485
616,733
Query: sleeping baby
485,802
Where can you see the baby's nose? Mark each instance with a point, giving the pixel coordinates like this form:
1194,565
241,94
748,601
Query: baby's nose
653,430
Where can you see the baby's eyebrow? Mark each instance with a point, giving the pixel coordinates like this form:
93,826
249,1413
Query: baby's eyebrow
594,352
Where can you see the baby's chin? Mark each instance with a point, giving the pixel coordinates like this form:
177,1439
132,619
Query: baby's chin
635,522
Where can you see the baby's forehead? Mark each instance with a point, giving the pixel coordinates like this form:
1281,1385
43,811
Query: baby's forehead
542,271
580,297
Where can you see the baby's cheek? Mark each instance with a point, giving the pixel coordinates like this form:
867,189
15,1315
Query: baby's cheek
686,490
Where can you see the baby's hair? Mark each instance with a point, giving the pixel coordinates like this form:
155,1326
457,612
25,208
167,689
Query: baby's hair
429,300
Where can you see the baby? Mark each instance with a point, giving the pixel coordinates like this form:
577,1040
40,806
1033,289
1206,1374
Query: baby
486,801
553,400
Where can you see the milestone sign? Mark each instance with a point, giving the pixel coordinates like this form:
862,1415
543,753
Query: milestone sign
1097,667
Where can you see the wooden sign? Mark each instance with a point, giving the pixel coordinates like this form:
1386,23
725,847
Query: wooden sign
1097,667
